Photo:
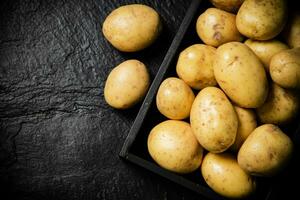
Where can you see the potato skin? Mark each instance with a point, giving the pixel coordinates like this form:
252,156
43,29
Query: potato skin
266,49
216,27
195,66
241,75
246,124
266,151
223,174
227,5
261,20
126,84
285,68
213,120
132,27
291,31
174,98
281,106
174,147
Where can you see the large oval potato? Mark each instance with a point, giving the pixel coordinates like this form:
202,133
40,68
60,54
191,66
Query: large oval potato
261,20
126,84
132,27
281,106
241,75
285,68
292,30
266,49
223,174
213,120
216,27
173,146
246,124
195,66
266,151
227,5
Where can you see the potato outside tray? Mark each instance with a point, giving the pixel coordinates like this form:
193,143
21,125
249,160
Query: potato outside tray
135,146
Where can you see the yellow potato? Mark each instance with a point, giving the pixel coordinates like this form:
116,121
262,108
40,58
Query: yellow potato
216,27
223,174
266,151
261,20
280,107
132,28
241,75
246,124
285,68
266,49
174,147
126,84
195,66
213,120
292,31
227,5
174,98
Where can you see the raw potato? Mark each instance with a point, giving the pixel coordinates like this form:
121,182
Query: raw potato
216,27
261,20
195,66
227,5
241,75
266,49
174,147
292,31
132,28
266,151
223,174
285,68
126,84
280,107
246,124
213,120
174,98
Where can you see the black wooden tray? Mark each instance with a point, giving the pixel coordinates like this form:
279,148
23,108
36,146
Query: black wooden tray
135,145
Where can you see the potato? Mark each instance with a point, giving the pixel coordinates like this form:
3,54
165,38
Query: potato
174,147
227,5
280,107
266,49
195,66
292,31
216,27
174,98
285,68
261,20
223,174
132,28
213,120
266,151
126,84
241,75
246,124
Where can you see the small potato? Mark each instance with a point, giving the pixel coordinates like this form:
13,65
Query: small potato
246,124
132,28
227,5
292,31
223,174
126,84
281,106
261,20
174,147
266,151
213,120
174,98
195,66
285,68
241,75
266,49
216,27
